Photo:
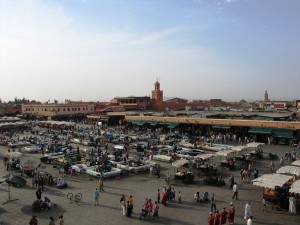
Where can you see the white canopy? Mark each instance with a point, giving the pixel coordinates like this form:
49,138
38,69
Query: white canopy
180,163
255,144
224,152
14,154
296,163
204,156
293,170
57,123
239,148
271,180
295,188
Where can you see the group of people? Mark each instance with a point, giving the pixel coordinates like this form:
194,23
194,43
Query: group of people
168,194
126,205
34,221
39,203
204,198
221,218
149,208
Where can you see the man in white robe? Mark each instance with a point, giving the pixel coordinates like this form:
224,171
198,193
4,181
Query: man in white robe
292,206
248,213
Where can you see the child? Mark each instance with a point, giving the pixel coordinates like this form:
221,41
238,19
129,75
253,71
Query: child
179,198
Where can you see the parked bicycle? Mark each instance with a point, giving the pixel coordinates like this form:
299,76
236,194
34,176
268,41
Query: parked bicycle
77,197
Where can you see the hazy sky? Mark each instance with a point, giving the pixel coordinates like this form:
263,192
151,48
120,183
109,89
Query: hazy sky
99,49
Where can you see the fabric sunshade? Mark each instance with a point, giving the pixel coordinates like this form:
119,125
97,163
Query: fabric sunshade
271,180
139,123
173,125
295,188
282,133
221,127
260,130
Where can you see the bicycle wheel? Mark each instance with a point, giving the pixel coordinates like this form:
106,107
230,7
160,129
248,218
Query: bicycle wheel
78,196
70,196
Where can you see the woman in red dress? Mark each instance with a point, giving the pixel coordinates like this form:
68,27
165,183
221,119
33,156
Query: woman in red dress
164,198
211,219
223,216
231,214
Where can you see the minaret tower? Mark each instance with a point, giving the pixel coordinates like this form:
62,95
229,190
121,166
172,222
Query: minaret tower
157,97
266,96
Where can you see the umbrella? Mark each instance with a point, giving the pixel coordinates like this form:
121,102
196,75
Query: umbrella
14,180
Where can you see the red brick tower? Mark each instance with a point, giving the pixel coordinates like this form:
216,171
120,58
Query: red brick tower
157,97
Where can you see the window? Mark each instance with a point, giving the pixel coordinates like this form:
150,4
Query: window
68,109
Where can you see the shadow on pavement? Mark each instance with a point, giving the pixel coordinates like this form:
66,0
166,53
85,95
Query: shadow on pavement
54,211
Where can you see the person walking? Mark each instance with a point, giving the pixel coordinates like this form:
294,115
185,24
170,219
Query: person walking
292,205
96,195
248,212
51,222
101,184
155,209
158,195
123,205
272,166
210,219
235,191
217,218
255,173
128,210
231,214
213,206
263,203
179,198
39,194
223,216
281,162
130,203
231,181
150,171
164,198
158,171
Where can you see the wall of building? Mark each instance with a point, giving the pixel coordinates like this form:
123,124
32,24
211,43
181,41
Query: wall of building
225,122
50,110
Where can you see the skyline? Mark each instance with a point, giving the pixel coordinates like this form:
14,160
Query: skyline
97,50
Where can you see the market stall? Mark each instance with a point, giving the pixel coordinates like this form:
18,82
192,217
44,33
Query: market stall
292,170
296,163
275,189
295,187
226,157
255,144
295,192
182,172
205,163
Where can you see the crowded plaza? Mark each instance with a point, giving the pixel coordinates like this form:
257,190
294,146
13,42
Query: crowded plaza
128,173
